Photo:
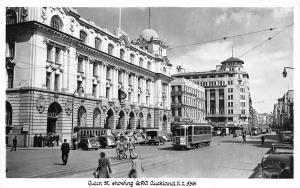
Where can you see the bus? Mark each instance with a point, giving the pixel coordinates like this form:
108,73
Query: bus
191,135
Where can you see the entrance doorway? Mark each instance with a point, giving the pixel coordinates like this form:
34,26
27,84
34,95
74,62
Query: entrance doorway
53,115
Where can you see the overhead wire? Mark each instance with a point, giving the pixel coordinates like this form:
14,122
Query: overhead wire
229,37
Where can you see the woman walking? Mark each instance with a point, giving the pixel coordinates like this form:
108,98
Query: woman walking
137,170
104,166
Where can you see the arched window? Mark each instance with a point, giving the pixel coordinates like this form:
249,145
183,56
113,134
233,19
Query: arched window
149,66
97,43
141,62
160,51
132,58
110,49
83,36
81,116
96,118
11,17
56,22
122,53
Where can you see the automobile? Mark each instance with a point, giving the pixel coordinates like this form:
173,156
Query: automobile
282,149
270,165
154,137
286,136
238,132
167,137
107,141
89,143
139,139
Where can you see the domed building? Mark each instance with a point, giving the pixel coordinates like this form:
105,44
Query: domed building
78,79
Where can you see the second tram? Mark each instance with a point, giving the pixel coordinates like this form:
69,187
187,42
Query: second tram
191,135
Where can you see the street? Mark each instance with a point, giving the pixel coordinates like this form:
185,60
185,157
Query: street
227,157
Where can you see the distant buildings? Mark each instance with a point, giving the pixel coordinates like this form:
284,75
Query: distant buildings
65,74
227,93
283,113
187,100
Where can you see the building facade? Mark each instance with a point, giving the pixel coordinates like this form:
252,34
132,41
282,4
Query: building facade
227,93
187,100
64,73
283,113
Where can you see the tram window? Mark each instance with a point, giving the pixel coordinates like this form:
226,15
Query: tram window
182,132
176,132
190,130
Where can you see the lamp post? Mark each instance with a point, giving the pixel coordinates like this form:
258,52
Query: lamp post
284,73
76,90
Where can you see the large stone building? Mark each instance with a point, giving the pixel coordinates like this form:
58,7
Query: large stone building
283,112
64,73
226,92
187,100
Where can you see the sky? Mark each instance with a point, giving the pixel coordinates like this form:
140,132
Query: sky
179,26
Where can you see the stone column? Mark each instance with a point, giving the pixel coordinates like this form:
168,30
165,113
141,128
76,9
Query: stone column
65,72
125,83
208,101
135,88
217,101
115,80
104,72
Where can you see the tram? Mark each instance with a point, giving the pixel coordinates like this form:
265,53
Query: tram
191,135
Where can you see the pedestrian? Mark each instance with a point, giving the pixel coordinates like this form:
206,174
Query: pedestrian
74,140
103,166
137,170
125,145
118,143
262,139
57,139
131,147
40,141
65,149
35,141
284,173
244,138
14,147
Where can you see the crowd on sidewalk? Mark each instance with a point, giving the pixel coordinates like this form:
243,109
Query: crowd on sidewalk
49,140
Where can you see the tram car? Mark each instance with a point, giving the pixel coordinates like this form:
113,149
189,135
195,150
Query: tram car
191,135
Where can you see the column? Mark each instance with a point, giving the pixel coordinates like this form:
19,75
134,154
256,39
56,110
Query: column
52,79
135,88
104,72
144,91
208,102
115,83
65,72
126,82
53,54
90,77
217,101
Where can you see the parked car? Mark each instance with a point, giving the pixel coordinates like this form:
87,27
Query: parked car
271,165
107,141
89,143
139,139
167,137
286,137
154,137
282,149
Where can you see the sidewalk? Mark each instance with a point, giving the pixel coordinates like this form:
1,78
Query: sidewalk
35,148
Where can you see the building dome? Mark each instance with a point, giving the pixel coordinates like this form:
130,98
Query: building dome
147,34
232,59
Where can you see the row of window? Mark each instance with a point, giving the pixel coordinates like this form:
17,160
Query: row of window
188,89
230,90
188,113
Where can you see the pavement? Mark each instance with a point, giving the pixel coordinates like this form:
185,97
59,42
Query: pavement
227,157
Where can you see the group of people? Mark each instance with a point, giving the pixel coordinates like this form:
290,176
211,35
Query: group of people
48,140
103,170
123,146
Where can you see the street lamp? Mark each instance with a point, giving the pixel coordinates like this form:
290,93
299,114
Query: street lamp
76,90
284,73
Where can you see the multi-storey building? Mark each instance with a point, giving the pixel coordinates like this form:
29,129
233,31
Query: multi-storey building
284,111
66,74
187,100
226,92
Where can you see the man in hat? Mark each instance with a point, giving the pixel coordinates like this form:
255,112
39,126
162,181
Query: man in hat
65,149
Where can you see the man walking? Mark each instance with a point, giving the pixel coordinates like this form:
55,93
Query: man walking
14,147
131,147
244,137
65,149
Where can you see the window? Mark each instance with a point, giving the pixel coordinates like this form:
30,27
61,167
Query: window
48,80
147,84
83,36
110,49
49,53
122,53
132,58
56,82
80,65
79,85
11,17
149,66
11,49
56,22
139,98
107,92
95,69
94,90
130,80
147,100
10,76
97,43
57,56
141,62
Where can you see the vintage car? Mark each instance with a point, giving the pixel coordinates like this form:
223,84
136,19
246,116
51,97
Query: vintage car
282,149
139,139
286,136
89,143
154,137
271,165
107,141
